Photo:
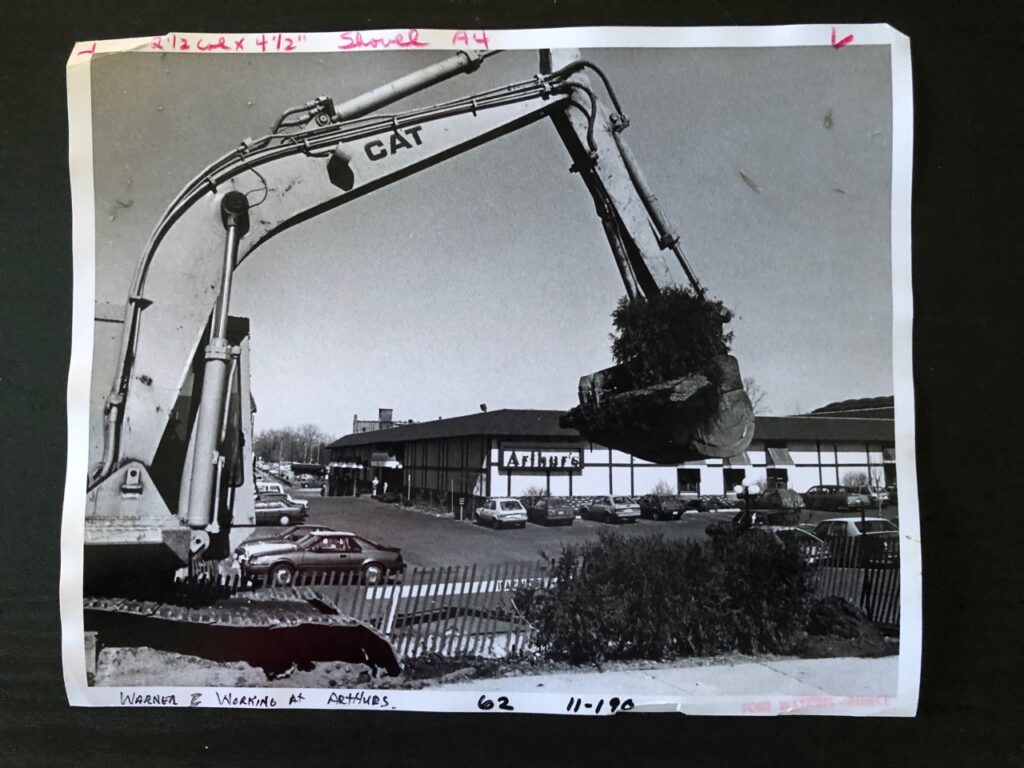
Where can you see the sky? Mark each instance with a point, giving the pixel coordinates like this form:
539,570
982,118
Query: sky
487,279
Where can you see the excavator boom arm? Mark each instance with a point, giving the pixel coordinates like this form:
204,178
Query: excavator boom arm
290,176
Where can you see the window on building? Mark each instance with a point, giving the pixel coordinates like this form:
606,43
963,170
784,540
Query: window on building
778,477
688,480
733,477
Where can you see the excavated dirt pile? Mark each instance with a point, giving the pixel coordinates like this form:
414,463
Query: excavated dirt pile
837,627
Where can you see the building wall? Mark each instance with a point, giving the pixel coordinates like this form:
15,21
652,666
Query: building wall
471,467
813,463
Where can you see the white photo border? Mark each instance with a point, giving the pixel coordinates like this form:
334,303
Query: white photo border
78,389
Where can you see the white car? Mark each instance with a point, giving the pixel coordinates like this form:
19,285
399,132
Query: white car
501,512
263,488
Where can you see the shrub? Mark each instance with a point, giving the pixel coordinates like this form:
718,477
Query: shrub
651,598
669,335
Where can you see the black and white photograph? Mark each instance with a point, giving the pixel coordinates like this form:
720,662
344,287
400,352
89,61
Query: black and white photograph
548,371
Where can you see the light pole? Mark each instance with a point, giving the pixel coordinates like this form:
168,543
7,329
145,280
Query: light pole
744,519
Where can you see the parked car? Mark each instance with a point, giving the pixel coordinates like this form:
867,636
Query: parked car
834,497
292,534
812,549
847,535
279,561
279,509
777,506
893,494
544,510
879,497
779,498
712,504
501,512
608,508
662,507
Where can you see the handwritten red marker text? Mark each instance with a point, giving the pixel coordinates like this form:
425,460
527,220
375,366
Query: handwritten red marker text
355,40
265,43
837,44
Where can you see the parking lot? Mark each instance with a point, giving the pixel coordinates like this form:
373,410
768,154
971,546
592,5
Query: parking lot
434,540
427,540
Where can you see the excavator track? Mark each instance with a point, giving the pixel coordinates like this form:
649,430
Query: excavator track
276,629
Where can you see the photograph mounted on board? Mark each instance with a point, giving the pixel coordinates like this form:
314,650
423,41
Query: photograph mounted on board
630,308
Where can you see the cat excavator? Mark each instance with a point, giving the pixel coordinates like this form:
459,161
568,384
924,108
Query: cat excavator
170,483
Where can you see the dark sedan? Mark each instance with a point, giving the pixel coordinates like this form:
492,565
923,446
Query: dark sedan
293,534
778,506
811,548
551,511
834,497
280,561
278,509
662,507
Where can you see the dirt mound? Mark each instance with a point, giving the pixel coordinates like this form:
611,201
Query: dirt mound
837,627
147,666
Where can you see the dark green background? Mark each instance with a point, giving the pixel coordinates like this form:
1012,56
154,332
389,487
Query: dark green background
967,266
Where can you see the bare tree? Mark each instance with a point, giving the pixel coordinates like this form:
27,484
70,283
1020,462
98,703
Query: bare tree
663,488
298,444
855,479
756,395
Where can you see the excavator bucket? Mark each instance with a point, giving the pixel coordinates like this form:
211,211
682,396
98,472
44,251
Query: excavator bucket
681,420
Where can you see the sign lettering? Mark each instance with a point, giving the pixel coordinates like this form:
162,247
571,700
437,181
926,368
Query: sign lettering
536,459
397,141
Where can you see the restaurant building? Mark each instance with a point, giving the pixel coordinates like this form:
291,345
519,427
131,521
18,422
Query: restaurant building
517,452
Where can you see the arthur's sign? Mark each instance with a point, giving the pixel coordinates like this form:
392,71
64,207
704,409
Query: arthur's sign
541,459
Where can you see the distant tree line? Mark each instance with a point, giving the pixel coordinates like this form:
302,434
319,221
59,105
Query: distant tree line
303,444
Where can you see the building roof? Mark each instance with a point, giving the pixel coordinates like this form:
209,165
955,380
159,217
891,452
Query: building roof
510,423
863,408
504,423
840,429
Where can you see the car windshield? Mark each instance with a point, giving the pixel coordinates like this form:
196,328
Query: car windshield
875,526
622,500
511,505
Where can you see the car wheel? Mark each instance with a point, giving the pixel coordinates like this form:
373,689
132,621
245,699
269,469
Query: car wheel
494,523
282,575
607,517
373,573
522,525
284,520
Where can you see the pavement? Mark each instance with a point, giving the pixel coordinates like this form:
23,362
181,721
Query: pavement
429,540
870,679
